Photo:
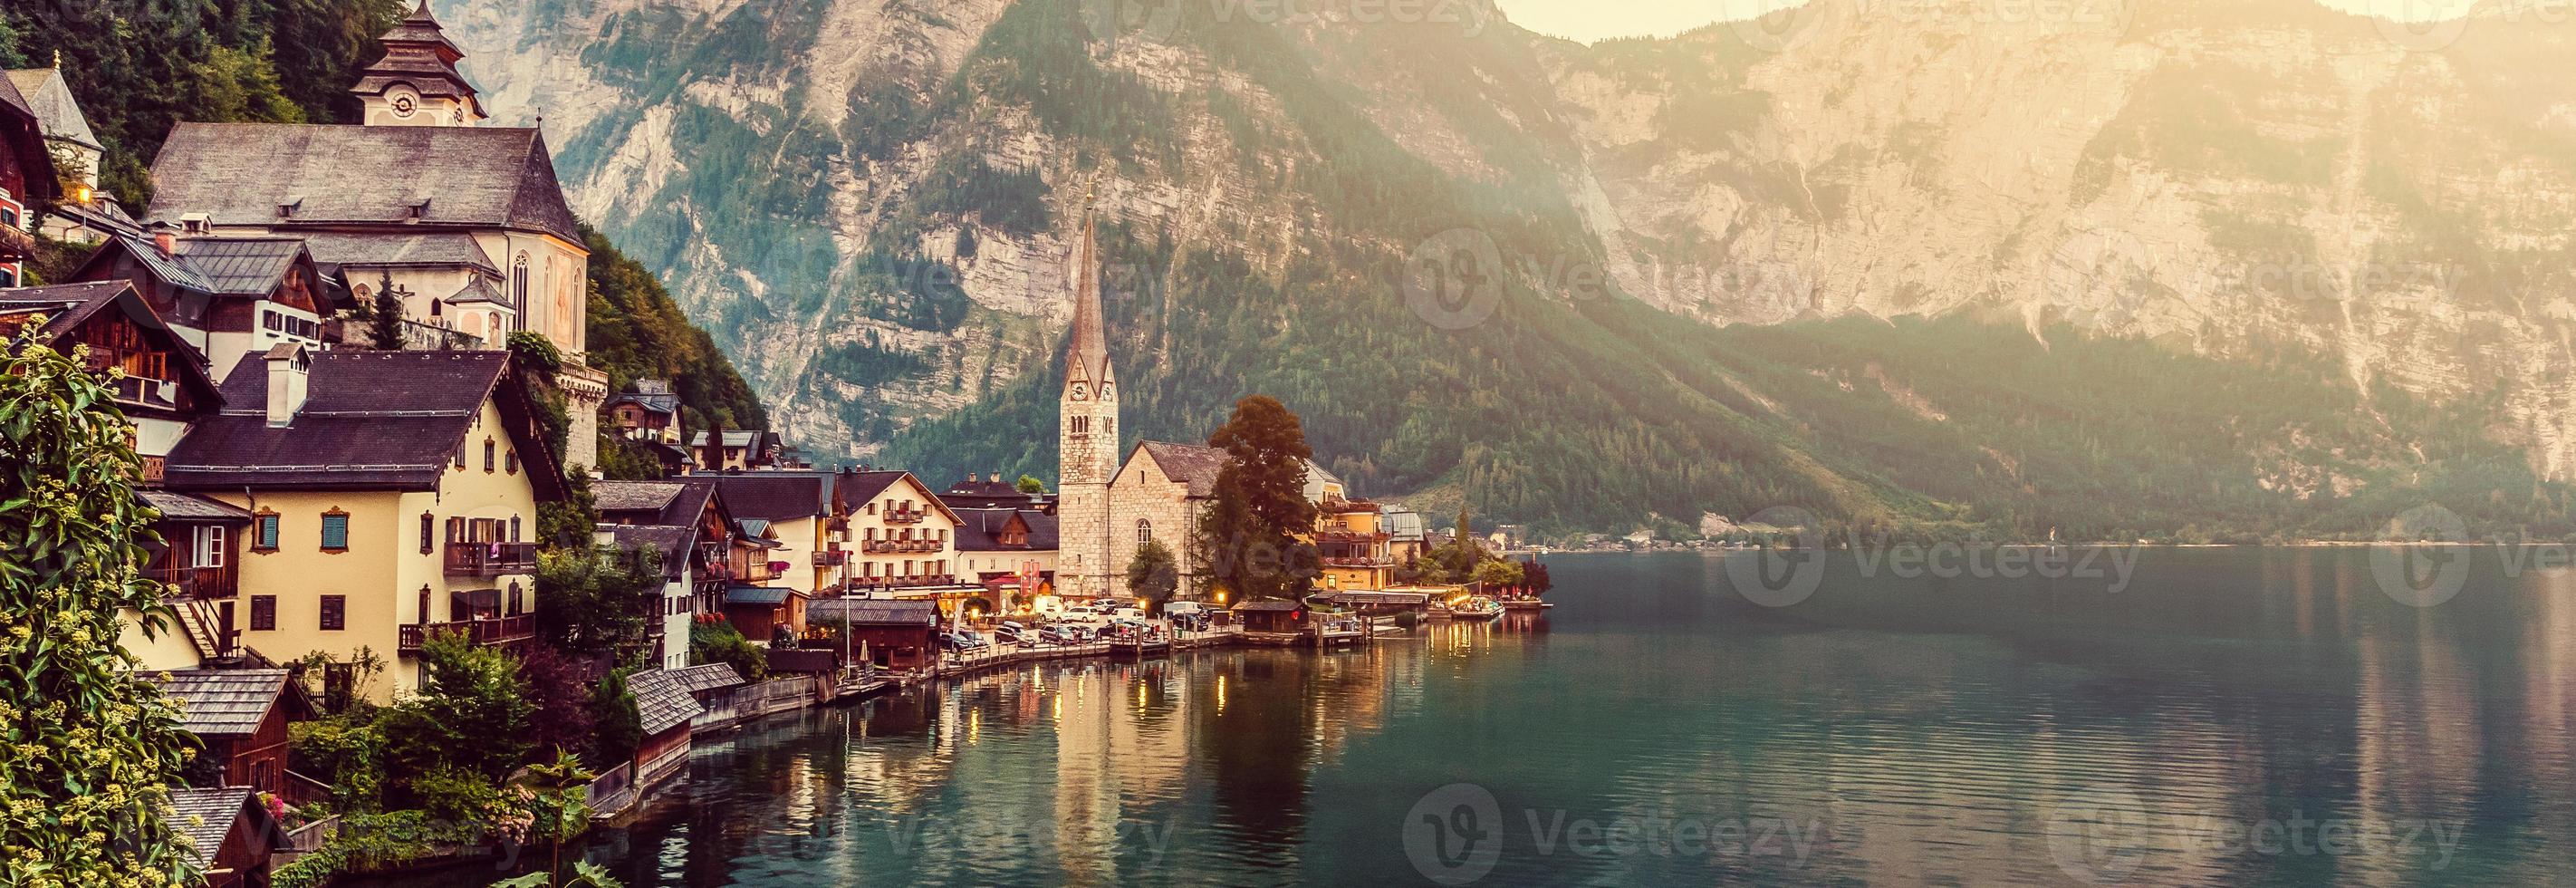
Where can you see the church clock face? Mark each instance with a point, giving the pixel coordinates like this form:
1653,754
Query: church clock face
404,104
1079,394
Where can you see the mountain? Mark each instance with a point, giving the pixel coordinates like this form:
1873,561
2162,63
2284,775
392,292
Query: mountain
2183,269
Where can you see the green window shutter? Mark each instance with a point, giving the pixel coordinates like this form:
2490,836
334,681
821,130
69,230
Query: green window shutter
335,531
268,531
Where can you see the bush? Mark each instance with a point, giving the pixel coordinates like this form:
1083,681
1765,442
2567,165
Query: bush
347,750
721,643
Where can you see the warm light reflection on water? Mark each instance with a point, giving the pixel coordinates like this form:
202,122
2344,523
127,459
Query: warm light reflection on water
1895,731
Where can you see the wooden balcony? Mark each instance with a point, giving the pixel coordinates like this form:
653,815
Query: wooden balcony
903,516
198,582
831,558
485,633
144,391
466,559
901,582
1367,562
16,244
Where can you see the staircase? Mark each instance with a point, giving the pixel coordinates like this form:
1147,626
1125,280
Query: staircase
198,618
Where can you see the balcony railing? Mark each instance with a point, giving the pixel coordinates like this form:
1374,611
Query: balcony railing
903,516
1359,562
1348,536
495,631
199,582
144,391
468,559
831,558
16,244
902,582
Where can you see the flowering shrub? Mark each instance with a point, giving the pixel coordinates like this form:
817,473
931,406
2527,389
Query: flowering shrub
87,750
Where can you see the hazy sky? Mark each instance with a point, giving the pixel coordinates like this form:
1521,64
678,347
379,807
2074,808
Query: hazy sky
1590,20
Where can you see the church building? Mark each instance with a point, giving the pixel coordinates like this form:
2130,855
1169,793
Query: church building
467,225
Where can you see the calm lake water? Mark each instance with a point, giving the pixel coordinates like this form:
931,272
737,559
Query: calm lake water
2225,716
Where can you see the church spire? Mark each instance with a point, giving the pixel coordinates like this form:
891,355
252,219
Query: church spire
1087,356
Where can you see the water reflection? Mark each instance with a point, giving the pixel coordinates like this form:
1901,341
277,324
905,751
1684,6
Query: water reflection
1891,730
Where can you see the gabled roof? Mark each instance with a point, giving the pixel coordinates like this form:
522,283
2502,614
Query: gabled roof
371,420
225,702
775,496
249,266
25,136
706,677
207,816
857,488
1188,464
456,176
68,306
733,438
662,700
672,541
58,114
980,530
477,289
651,394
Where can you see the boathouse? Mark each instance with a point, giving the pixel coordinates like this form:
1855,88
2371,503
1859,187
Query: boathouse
899,635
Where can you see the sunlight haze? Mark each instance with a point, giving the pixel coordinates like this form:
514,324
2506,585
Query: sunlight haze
1589,21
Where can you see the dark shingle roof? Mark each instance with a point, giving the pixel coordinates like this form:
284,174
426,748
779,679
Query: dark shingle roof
50,99
224,702
869,612
662,700
189,507
1271,606
409,250
672,541
206,816
238,174
370,420
634,496
775,496
1188,464
708,677
979,530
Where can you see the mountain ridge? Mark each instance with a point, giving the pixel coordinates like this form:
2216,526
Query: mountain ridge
887,257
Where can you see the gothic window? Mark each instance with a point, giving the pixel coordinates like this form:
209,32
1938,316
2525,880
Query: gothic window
519,285
1082,425
1144,531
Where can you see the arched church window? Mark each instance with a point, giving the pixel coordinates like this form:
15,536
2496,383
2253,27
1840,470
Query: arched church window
1144,531
519,285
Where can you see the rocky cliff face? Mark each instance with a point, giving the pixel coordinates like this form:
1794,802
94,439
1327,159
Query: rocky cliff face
869,200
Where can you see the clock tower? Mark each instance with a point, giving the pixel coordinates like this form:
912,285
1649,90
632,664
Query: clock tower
1086,438
416,83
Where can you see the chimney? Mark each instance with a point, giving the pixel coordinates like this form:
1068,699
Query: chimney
289,369
165,238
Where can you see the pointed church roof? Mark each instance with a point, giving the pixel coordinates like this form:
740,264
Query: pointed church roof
418,52
1086,357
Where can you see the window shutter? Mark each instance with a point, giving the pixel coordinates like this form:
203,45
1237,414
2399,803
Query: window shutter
335,531
267,534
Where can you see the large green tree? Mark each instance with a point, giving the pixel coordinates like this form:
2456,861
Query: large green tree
1249,533
87,751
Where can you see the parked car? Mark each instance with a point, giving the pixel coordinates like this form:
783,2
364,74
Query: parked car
1010,634
1058,635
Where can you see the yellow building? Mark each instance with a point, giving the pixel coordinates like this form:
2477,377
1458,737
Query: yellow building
392,495
1351,538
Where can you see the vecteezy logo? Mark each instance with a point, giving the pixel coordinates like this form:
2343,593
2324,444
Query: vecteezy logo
2421,25
2422,560
1112,20
1775,25
1454,835
2098,834
1454,280
1773,576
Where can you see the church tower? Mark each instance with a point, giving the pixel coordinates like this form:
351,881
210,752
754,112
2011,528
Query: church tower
1086,438
416,83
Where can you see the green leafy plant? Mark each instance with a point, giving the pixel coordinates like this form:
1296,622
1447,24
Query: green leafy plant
87,750
721,643
1154,574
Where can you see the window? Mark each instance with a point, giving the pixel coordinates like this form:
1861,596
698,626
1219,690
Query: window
335,531
209,546
264,531
335,612
519,285
516,607
489,459
424,605
510,462
514,528
428,534
263,613
1082,425
1144,531
460,455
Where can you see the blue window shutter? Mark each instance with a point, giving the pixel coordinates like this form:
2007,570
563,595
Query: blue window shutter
268,531
335,531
